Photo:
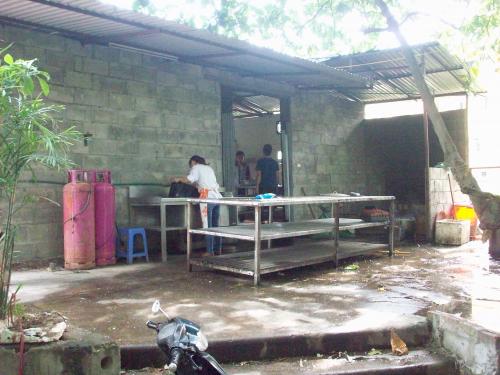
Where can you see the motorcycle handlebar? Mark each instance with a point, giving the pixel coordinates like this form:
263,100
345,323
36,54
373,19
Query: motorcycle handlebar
152,325
175,357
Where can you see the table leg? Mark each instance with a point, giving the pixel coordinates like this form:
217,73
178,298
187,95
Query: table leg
163,231
189,208
392,209
336,212
269,220
257,226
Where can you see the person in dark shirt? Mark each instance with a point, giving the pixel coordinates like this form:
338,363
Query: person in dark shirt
267,172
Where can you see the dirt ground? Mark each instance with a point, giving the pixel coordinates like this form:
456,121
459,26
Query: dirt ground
383,292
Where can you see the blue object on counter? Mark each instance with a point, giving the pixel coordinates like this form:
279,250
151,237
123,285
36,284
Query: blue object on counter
265,196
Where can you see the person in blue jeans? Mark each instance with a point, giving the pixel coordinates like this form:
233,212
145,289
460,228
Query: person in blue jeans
203,176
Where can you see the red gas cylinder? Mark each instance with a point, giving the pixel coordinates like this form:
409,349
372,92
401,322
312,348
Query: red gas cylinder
78,221
105,231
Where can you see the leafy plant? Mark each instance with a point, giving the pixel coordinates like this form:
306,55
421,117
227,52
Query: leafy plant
29,135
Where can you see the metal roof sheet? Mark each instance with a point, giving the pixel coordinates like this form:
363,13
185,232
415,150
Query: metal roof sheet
391,77
93,22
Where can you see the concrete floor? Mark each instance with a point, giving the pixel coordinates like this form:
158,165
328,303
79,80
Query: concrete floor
384,292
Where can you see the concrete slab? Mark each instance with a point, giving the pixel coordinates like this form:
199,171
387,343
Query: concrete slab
78,352
383,293
417,362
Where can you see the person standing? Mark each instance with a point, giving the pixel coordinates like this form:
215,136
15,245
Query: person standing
242,173
203,176
267,172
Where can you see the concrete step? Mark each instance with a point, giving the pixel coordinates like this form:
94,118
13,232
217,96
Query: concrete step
417,362
272,347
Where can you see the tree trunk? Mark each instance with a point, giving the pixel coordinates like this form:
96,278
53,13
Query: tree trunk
486,205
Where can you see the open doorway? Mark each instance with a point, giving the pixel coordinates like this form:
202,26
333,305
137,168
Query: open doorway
255,119
250,121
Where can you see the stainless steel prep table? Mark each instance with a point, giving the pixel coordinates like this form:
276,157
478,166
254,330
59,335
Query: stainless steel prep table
176,222
179,222
261,262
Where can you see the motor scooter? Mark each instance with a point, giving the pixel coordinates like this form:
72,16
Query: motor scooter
185,346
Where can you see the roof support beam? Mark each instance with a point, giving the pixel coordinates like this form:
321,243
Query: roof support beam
256,85
427,72
83,38
388,81
140,25
444,65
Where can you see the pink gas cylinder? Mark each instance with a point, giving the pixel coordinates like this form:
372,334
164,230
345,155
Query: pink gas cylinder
78,221
105,230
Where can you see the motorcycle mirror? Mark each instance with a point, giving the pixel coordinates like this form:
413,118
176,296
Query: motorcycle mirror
156,306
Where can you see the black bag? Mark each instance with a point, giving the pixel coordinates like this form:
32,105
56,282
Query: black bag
181,190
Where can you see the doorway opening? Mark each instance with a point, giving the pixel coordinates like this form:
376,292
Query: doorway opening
250,121
256,120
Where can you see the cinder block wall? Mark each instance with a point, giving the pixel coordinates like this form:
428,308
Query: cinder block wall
147,117
329,148
441,189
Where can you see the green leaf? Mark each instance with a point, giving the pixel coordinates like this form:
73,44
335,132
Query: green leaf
374,351
351,267
8,59
44,86
28,85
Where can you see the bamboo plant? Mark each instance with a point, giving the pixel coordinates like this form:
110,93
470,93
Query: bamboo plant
29,135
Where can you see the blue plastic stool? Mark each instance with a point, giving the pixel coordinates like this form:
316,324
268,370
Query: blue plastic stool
129,252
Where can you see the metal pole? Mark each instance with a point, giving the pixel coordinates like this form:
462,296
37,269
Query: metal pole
392,209
257,226
163,231
428,220
270,220
188,236
336,212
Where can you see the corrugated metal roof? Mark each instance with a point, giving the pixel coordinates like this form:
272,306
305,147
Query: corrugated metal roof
391,77
93,22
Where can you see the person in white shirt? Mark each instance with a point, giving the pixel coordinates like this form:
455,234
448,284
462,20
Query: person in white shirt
203,176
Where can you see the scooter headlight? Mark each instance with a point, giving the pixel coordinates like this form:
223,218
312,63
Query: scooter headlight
201,341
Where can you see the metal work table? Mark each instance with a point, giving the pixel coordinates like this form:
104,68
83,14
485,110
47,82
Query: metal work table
258,262
178,222
168,223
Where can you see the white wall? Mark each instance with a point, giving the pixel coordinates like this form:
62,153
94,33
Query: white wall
253,133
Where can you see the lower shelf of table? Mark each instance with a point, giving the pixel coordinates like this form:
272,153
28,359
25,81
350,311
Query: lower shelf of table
277,230
283,258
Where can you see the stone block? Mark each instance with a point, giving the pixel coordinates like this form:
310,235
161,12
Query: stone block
167,79
102,147
113,85
61,94
103,116
121,101
74,47
119,70
78,352
106,53
95,66
130,58
79,80
144,74
92,98
476,348
131,118
147,104
140,88
60,60
51,42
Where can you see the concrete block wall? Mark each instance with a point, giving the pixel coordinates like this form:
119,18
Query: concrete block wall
476,348
329,148
440,192
147,117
